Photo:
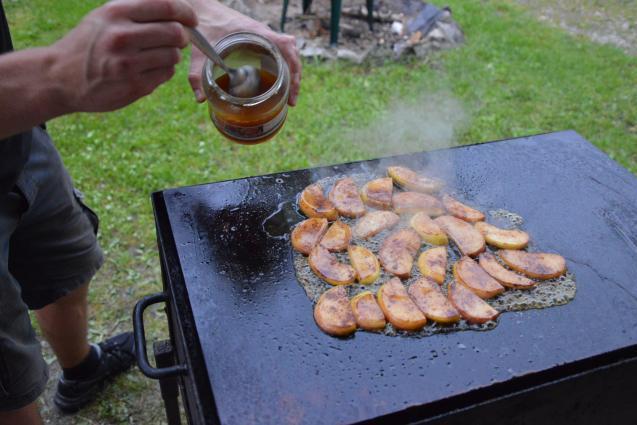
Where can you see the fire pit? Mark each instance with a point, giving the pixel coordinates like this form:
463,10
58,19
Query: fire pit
245,348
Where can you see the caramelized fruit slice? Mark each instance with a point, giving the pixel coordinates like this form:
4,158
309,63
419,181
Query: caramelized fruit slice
468,240
399,309
470,306
413,202
365,264
538,265
428,230
410,180
460,210
333,313
375,222
344,195
427,295
313,203
307,234
467,272
501,238
377,193
368,314
337,237
327,267
397,252
433,264
506,277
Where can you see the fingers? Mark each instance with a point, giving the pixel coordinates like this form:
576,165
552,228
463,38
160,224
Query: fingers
157,34
287,45
197,60
153,78
155,10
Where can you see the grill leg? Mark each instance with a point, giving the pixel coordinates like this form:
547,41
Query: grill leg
334,21
163,351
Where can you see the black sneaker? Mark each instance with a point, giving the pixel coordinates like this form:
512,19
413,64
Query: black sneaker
117,354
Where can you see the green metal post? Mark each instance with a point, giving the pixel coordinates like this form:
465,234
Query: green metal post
284,14
370,14
306,6
334,21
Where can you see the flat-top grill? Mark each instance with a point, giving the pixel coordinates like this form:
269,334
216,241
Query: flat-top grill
248,351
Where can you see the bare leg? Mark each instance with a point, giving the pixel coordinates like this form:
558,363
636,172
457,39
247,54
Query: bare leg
64,324
28,415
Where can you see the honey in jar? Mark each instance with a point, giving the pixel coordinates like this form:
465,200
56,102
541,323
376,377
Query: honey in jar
254,119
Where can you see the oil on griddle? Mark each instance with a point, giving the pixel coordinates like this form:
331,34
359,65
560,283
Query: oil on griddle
546,293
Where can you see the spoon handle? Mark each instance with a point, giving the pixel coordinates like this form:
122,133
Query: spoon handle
202,44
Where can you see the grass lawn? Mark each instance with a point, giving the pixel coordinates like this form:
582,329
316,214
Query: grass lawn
515,76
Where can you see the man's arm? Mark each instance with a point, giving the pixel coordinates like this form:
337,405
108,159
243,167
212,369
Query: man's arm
118,53
217,20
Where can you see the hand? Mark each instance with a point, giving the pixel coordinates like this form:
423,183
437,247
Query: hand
216,21
120,52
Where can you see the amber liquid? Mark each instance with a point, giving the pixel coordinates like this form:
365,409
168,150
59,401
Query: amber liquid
248,118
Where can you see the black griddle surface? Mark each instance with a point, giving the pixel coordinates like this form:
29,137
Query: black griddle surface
268,362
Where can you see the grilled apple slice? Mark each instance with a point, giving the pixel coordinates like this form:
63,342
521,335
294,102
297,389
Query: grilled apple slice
468,240
428,297
326,266
538,265
344,195
333,313
365,264
377,193
501,238
433,264
399,309
368,314
428,230
413,202
307,234
460,210
410,180
337,237
397,252
313,203
506,277
467,272
473,308
375,222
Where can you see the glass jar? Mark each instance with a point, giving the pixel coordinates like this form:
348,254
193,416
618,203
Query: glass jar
248,120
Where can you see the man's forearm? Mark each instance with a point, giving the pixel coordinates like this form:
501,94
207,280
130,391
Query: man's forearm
29,92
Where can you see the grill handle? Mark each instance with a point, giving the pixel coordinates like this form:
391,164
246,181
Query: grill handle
140,340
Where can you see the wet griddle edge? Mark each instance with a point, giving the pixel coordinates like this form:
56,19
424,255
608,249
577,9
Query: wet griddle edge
187,219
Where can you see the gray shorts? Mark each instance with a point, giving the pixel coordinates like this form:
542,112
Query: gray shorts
48,248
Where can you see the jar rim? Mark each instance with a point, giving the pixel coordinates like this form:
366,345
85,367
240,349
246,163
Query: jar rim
232,39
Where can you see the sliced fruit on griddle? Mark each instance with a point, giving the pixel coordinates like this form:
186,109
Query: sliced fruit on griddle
398,308
344,195
469,273
433,264
377,193
313,203
367,312
333,313
538,265
327,267
410,180
429,298
468,240
502,238
365,264
307,234
460,210
413,202
506,277
397,252
337,237
428,230
375,222
470,306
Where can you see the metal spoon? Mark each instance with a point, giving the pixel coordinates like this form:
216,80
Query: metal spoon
244,82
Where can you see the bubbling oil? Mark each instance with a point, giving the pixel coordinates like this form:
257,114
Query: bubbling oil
545,294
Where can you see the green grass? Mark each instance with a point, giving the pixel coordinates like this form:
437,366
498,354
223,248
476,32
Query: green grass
514,77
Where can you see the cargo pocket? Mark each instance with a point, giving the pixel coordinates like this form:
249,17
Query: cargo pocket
92,216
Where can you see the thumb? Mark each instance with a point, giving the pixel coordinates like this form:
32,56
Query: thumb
197,60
